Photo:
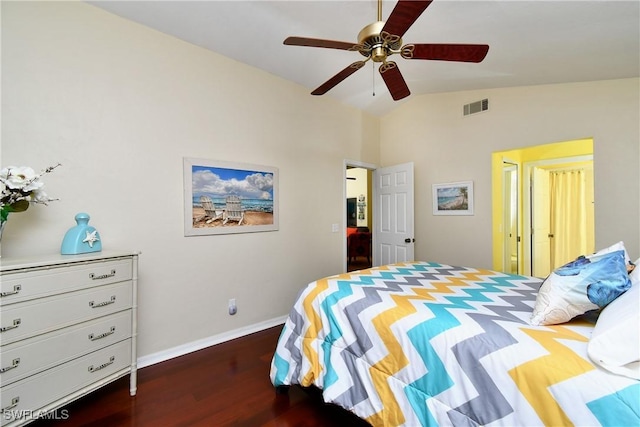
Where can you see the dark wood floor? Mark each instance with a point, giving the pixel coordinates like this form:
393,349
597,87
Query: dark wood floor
358,263
224,385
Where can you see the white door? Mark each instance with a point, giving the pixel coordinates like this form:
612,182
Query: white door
541,223
393,237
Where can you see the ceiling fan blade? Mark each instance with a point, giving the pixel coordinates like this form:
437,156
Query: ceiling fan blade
333,81
446,52
393,79
403,15
330,44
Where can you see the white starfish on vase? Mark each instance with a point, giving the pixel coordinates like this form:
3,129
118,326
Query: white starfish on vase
91,238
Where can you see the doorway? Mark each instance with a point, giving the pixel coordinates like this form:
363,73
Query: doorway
518,177
561,203
512,229
388,210
359,217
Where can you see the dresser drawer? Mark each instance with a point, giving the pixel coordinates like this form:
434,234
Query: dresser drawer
36,392
37,283
35,317
28,357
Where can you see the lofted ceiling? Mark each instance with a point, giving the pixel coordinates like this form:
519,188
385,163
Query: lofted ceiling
531,42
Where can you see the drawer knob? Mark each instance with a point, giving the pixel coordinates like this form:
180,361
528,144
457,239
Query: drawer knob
16,323
111,331
102,276
104,365
16,289
93,304
14,364
14,403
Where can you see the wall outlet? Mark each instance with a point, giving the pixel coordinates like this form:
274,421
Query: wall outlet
335,228
233,308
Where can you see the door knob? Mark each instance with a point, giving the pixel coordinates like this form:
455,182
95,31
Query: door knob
409,240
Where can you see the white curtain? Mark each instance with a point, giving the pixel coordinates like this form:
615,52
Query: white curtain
568,216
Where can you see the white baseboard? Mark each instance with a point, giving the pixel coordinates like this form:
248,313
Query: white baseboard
183,349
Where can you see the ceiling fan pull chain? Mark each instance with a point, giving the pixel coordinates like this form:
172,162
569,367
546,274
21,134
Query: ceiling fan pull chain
373,78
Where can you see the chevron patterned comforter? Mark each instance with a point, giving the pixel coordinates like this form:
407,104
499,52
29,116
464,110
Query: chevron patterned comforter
426,344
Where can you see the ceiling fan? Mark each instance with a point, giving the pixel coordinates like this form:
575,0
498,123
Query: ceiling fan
380,40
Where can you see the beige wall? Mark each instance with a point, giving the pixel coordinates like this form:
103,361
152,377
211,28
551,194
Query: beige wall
120,105
447,147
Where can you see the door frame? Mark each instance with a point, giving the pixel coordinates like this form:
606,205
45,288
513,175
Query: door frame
507,241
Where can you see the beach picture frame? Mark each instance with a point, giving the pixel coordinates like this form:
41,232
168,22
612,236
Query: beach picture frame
453,198
223,197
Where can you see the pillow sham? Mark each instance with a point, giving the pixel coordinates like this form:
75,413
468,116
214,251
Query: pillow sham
585,284
615,341
613,248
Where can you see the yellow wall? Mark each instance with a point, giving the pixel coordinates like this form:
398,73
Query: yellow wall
521,156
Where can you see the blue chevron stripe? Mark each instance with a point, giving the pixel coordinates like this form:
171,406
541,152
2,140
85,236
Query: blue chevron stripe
357,392
282,369
436,380
491,303
611,413
489,405
281,366
334,332
372,296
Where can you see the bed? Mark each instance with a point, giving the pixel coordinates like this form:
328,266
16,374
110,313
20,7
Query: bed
426,344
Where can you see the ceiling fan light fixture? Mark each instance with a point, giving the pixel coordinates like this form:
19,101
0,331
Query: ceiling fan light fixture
379,54
376,44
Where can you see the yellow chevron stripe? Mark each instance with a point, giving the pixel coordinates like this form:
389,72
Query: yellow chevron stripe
395,360
549,370
315,325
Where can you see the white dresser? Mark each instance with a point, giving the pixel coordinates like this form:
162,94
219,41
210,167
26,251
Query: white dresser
67,327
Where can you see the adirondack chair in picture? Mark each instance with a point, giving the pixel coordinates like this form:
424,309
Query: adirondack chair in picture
233,211
210,212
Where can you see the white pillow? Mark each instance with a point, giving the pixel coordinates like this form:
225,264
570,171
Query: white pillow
587,283
615,342
615,247
635,274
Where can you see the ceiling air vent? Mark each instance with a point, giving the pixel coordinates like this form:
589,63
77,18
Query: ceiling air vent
476,107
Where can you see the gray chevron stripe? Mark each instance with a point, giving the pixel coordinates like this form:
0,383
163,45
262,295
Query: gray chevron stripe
357,392
489,405
296,352
517,303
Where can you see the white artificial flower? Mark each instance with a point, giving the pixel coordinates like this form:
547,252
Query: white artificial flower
39,196
20,183
20,177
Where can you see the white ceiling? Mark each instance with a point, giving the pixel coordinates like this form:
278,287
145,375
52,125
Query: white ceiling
531,42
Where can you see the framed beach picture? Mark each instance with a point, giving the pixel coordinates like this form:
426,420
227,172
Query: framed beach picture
225,197
455,198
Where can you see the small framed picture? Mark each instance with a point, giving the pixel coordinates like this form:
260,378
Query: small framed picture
454,198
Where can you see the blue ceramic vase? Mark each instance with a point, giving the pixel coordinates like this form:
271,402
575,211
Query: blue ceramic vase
82,238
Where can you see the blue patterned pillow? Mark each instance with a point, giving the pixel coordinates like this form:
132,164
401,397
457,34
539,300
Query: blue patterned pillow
588,283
